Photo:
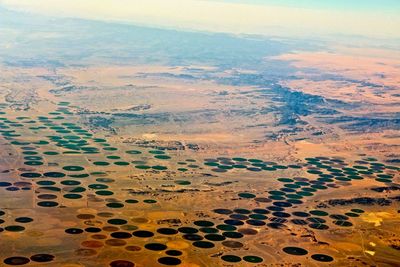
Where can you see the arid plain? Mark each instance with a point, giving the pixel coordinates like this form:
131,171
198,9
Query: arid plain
184,162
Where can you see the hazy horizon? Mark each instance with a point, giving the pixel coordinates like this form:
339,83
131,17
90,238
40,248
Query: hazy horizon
286,18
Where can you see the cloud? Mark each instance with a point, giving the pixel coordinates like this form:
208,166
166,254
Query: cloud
221,16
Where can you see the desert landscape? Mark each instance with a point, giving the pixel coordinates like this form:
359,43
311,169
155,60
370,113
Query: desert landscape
143,152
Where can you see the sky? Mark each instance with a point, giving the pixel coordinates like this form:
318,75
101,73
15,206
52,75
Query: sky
293,18
386,5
